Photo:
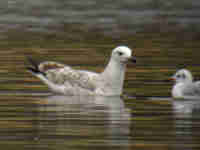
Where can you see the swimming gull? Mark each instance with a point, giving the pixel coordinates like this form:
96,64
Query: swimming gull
63,79
184,86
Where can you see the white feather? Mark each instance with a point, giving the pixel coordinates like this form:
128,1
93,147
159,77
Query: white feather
65,80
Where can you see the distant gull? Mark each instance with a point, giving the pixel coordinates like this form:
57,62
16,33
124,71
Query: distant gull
62,79
184,86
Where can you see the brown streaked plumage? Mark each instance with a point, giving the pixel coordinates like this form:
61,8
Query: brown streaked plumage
63,79
45,66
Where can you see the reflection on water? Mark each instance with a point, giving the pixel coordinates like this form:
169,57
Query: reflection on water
66,122
97,120
73,122
186,114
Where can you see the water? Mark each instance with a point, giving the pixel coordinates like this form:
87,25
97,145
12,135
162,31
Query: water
164,36
106,16
61,122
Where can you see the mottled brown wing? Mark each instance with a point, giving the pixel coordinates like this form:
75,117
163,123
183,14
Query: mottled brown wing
62,74
49,65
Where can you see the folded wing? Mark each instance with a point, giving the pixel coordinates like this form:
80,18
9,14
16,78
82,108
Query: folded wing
65,75
192,89
197,88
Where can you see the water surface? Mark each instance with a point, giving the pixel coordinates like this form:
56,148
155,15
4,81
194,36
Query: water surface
164,36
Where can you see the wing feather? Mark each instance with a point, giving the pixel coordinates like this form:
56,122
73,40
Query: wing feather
62,74
197,87
49,65
192,89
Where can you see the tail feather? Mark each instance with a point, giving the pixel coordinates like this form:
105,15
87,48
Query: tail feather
34,68
33,62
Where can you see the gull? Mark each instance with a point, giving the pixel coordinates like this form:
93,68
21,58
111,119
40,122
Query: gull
184,86
63,79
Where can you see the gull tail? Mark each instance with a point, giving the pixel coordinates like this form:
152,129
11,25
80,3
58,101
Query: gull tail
34,69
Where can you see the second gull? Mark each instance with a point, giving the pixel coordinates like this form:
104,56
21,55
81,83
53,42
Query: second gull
184,86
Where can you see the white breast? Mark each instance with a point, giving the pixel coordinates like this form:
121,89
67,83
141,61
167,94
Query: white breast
177,91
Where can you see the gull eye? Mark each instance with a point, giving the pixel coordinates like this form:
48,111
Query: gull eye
120,53
178,76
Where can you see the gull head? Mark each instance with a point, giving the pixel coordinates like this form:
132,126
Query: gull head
123,54
182,76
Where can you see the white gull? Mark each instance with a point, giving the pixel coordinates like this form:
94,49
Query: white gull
63,79
184,86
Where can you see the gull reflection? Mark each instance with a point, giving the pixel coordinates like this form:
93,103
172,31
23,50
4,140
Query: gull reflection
186,116
83,117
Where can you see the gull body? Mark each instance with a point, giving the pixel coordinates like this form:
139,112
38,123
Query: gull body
63,79
184,86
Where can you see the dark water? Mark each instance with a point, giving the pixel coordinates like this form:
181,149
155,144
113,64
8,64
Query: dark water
164,36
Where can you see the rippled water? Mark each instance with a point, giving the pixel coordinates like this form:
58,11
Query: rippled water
60,122
164,36
107,16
